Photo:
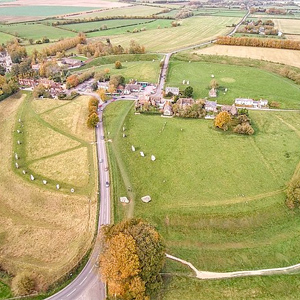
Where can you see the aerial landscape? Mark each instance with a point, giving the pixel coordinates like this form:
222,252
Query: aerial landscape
150,149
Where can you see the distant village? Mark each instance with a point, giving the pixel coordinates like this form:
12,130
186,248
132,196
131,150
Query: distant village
170,103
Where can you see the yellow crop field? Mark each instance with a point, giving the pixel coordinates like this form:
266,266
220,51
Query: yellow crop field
287,25
285,56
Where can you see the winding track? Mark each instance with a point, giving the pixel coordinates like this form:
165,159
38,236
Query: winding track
87,286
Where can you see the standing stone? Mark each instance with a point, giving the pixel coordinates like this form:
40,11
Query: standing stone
44,181
153,158
123,128
18,131
16,156
19,143
188,82
31,177
72,190
19,120
17,165
57,186
183,81
124,135
142,154
24,172
132,148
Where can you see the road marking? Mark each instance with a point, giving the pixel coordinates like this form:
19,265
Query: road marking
84,279
71,293
90,270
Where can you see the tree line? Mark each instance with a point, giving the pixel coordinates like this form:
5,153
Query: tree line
97,19
258,42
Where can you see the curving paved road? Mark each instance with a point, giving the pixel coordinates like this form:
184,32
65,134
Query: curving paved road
87,286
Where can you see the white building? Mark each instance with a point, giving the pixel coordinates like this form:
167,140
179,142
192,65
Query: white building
173,90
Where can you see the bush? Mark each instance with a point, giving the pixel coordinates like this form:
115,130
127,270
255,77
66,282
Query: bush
244,128
23,284
118,64
293,193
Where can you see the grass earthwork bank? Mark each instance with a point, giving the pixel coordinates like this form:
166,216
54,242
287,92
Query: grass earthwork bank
45,231
241,82
222,210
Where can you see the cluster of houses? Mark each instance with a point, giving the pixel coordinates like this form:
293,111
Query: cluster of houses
5,61
54,88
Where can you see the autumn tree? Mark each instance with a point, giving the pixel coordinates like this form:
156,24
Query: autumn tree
293,193
132,257
118,64
244,128
102,94
222,120
92,120
214,84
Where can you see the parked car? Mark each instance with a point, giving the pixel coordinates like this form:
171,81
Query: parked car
107,184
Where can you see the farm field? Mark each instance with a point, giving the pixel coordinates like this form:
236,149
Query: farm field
284,56
220,12
161,24
36,31
272,17
82,27
264,85
43,230
4,37
288,26
203,201
140,70
40,10
132,10
192,31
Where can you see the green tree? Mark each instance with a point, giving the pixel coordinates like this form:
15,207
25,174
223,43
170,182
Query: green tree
222,120
118,64
188,92
92,120
128,277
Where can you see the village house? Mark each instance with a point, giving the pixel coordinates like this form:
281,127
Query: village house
5,61
212,93
251,103
132,88
173,90
185,102
168,111
243,102
231,109
210,106
27,82
71,63
103,85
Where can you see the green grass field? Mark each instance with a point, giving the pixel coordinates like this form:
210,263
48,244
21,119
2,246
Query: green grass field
217,198
192,31
4,291
4,37
82,27
222,12
41,11
142,70
36,31
124,30
241,82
